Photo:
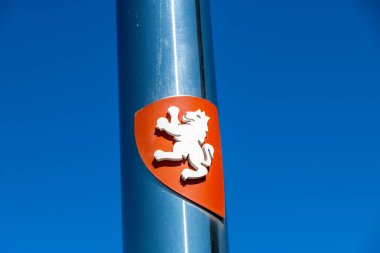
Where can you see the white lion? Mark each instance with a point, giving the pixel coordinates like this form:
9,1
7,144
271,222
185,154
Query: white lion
189,137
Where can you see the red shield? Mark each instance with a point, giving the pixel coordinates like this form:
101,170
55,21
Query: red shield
206,191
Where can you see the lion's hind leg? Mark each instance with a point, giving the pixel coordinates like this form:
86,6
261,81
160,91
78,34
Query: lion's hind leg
194,174
200,171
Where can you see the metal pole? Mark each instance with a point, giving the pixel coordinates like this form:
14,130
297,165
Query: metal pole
165,50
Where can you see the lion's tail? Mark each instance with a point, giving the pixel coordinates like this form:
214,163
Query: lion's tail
208,152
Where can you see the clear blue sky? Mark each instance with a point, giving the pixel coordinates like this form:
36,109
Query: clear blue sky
299,97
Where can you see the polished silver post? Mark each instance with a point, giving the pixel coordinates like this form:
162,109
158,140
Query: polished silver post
165,49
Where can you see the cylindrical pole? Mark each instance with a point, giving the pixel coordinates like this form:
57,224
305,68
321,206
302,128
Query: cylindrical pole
165,50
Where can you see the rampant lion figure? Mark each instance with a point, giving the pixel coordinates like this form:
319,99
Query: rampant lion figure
189,143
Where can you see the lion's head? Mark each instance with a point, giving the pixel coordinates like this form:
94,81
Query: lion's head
197,116
198,119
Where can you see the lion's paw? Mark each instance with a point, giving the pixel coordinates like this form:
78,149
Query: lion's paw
186,174
173,111
162,123
158,154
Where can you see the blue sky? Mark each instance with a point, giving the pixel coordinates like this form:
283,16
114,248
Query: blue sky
299,98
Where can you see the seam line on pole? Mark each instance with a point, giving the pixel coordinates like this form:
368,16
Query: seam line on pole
175,47
200,48
184,225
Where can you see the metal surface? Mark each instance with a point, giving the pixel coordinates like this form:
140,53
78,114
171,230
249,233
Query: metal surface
165,49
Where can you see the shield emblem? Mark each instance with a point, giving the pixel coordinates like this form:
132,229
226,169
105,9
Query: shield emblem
178,139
